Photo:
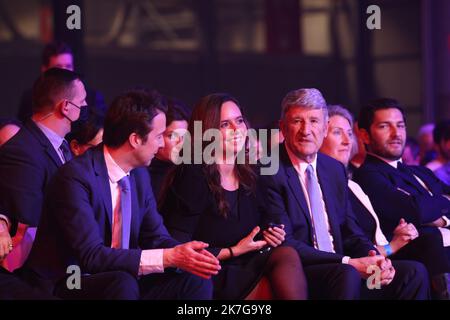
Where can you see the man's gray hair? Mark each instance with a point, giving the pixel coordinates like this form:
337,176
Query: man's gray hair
339,110
310,98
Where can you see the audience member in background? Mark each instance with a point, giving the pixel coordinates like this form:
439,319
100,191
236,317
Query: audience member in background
85,134
8,129
100,214
59,55
411,154
29,160
216,202
309,195
426,143
406,243
177,118
441,165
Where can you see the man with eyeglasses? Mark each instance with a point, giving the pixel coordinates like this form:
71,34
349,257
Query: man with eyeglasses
29,160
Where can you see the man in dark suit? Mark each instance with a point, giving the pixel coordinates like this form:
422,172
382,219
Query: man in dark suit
59,55
406,243
32,156
309,196
100,215
397,190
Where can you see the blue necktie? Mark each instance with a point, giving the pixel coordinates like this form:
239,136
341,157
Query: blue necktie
317,211
125,206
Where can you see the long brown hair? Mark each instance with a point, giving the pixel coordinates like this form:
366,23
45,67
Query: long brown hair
208,110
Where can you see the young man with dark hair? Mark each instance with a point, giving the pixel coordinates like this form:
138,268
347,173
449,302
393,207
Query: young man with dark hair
394,188
100,215
397,190
31,157
58,54
27,163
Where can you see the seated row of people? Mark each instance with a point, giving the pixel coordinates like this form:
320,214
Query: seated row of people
225,228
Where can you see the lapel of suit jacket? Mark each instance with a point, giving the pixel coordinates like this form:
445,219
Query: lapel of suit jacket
397,173
294,184
102,178
43,140
134,228
425,179
328,192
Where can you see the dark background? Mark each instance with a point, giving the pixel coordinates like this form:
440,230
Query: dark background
257,50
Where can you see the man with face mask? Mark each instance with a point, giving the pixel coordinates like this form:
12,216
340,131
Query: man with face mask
58,54
29,160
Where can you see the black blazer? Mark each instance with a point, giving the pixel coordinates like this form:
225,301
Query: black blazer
363,217
27,163
286,202
76,225
395,195
191,212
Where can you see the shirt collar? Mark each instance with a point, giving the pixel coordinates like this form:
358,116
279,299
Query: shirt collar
299,164
115,172
392,163
51,135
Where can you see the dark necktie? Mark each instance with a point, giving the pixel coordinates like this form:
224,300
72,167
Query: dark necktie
125,206
407,171
317,211
64,147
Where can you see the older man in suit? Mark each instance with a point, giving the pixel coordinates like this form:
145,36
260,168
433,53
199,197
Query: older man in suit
309,196
100,215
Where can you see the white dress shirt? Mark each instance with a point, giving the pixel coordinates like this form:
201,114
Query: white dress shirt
151,259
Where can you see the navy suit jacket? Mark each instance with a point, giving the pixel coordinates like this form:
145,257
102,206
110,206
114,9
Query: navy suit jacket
27,163
286,202
76,227
395,195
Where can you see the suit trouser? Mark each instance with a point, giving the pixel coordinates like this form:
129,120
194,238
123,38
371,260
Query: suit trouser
119,285
342,282
429,250
14,288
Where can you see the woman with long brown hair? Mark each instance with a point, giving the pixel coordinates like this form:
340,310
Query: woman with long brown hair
216,202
